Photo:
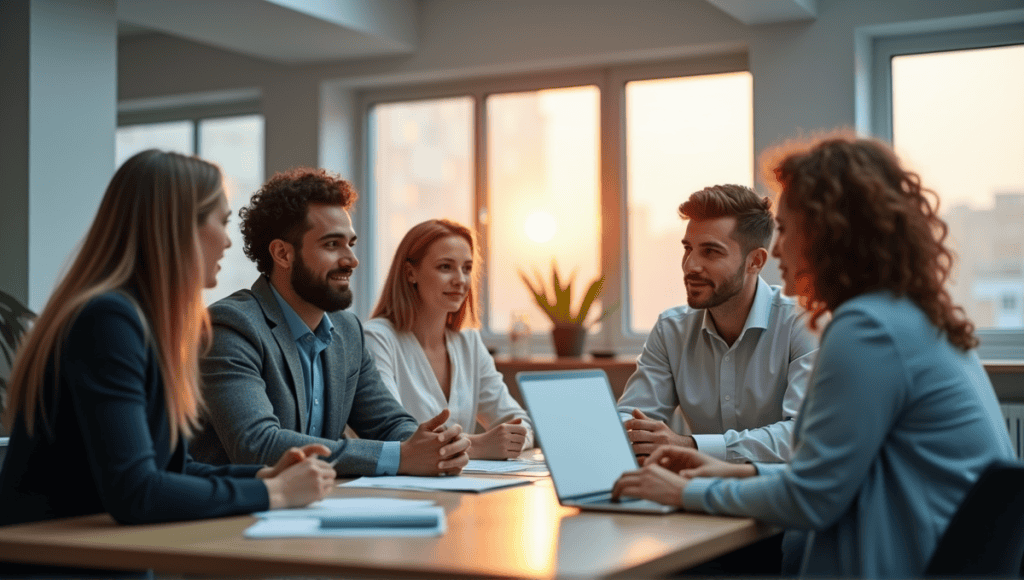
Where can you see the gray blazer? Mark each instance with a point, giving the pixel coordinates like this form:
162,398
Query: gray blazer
253,386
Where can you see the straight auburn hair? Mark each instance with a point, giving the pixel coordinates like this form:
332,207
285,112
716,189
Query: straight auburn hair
399,300
144,237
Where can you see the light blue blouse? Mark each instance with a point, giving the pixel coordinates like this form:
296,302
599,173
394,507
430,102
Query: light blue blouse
896,426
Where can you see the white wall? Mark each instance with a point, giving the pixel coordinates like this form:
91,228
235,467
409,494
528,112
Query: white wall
57,124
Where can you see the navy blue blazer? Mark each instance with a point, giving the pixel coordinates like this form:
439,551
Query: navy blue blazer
108,446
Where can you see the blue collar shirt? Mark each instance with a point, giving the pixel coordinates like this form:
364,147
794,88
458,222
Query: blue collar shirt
310,345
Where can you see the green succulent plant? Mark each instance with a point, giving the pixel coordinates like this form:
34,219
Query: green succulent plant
558,306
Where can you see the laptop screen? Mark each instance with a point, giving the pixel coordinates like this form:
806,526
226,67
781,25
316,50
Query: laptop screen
578,428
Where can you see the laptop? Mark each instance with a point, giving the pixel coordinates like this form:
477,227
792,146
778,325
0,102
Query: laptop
583,439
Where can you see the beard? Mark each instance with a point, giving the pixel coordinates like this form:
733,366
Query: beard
720,293
319,293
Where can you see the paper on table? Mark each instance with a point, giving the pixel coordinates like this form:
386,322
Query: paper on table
512,466
335,505
458,483
310,527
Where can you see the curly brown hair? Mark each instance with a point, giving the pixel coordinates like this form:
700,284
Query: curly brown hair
870,225
278,210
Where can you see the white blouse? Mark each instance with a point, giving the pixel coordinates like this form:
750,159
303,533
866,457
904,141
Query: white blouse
478,392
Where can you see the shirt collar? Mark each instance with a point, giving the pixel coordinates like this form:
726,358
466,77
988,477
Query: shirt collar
760,311
295,323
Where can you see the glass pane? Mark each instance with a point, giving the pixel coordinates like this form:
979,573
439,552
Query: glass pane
543,155
682,135
174,136
423,169
958,120
236,145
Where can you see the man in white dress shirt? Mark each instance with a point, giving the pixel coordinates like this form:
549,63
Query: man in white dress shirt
728,371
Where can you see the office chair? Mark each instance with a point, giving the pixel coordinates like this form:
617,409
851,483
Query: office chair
986,535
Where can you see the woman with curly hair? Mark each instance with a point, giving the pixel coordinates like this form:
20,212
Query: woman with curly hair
900,418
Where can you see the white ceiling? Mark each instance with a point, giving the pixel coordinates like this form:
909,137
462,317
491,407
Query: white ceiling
305,31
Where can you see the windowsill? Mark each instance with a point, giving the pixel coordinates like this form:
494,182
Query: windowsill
1003,367
548,360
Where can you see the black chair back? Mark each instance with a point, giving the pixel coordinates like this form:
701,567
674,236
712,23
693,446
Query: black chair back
986,535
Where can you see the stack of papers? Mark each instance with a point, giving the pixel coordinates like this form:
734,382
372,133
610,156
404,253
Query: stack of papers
455,483
510,467
352,517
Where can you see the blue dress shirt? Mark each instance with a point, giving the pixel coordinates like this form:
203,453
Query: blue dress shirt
310,345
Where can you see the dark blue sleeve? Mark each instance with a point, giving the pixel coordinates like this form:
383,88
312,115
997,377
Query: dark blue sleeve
104,364
207,470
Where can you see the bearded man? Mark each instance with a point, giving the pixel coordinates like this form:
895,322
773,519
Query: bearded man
725,373
288,368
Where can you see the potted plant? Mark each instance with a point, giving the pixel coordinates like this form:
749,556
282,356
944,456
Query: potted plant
570,328
14,322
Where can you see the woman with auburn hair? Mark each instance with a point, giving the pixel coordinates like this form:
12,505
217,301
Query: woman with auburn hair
422,335
900,418
104,392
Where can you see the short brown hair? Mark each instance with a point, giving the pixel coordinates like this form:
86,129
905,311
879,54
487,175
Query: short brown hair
278,210
754,224
870,225
398,297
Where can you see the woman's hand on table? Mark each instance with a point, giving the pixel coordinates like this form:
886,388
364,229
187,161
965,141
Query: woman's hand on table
690,463
300,483
291,457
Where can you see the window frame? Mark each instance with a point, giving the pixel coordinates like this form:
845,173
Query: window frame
615,332
146,112
996,344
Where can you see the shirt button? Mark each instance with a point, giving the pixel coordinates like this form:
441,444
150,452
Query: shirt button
727,397
727,358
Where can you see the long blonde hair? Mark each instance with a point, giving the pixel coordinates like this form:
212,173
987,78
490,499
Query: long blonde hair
144,236
398,299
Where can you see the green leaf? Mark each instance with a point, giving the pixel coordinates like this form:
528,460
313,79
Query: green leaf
592,293
558,306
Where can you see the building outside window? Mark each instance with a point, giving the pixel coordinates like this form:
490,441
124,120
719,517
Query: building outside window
957,119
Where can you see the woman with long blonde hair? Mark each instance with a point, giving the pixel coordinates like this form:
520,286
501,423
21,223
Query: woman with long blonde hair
429,354
900,418
105,393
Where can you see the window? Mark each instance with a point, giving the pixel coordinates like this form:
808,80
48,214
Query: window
423,170
956,118
542,167
682,135
235,143
586,169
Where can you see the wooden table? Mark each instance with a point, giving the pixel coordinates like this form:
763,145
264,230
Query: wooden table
519,532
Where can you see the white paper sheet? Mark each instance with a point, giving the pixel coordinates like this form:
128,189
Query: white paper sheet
456,483
509,467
